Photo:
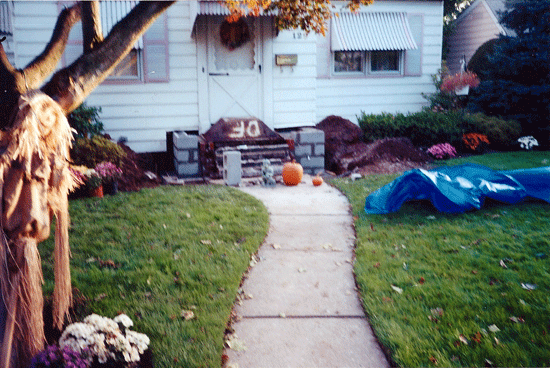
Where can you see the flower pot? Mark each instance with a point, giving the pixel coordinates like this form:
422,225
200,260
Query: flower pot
97,192
111,187
462,91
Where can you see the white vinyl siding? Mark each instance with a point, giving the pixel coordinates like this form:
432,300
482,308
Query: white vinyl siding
348,96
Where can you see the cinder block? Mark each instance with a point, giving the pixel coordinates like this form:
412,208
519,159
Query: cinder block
313,162
232,167
311,136
183,140
302,150
187,169
319,149
181,155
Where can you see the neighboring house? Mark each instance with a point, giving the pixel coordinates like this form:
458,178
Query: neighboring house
476,25
191,68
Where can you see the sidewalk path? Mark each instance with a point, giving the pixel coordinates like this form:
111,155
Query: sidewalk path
301,308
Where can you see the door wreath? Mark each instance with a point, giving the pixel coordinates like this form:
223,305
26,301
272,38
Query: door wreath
234,34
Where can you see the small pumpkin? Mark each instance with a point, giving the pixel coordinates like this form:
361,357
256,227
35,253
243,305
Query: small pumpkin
292,173
317,180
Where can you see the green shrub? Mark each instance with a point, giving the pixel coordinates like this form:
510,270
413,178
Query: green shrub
503,134
378,126
426,128
92,151
85,120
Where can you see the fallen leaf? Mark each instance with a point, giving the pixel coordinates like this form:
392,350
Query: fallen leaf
377,264
372,227
100,296
517,319
187,315
422,280
398,289
494,328
433,360
234,343
528,286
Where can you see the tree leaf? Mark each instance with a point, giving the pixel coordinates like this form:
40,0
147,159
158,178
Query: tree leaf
397,289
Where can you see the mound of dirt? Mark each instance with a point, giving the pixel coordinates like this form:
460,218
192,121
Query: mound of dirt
345,150
134,177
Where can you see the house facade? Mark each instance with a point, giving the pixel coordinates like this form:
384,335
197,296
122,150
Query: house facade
192,68
476,25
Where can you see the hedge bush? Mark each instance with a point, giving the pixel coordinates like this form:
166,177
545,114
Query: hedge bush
503,134
426,128
92,151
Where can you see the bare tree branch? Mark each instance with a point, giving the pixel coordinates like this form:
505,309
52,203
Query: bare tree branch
91,25
70,86
44,64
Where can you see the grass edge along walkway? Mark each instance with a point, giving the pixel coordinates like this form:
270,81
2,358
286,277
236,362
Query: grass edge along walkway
159,253
457,290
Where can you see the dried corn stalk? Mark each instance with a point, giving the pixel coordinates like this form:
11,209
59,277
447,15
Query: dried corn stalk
34,182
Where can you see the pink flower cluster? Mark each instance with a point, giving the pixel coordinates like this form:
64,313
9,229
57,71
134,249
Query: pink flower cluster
451,83
108,171
442,150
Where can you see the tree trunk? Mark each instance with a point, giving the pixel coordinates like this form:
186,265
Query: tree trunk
70,86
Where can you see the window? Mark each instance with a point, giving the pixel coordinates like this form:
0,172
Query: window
349,61
146,62
385,61
368,62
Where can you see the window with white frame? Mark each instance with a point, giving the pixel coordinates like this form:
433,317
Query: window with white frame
372,44
148,59
368,62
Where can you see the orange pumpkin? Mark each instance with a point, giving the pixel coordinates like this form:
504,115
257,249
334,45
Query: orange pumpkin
292,173
317,180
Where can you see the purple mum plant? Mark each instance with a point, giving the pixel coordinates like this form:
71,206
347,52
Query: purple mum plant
54,357
442,150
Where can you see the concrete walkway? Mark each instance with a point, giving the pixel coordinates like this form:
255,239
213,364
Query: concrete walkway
299,305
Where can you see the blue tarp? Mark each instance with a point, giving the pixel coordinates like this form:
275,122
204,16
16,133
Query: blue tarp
457,189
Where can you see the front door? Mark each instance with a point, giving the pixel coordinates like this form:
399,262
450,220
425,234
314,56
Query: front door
234,68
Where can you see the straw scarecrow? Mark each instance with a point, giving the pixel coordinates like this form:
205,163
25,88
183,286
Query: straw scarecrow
35,181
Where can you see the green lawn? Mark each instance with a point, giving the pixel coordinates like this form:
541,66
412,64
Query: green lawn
155,253
453,290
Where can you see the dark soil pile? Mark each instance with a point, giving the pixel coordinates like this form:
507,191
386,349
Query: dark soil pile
134,176
345,150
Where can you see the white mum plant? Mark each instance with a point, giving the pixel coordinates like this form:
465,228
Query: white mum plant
527,142
105,339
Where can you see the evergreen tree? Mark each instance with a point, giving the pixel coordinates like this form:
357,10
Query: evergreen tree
515,82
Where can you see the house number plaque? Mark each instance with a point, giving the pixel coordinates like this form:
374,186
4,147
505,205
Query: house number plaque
286,60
